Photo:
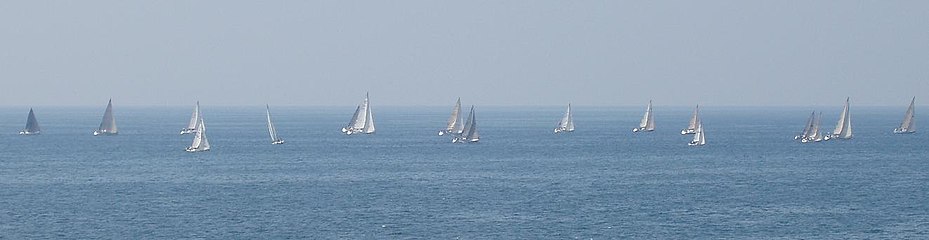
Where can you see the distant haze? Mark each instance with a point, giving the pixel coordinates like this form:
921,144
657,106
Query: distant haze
486,52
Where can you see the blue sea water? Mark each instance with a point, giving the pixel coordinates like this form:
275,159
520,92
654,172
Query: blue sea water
520,182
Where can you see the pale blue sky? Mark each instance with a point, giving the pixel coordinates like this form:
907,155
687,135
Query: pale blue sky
486,52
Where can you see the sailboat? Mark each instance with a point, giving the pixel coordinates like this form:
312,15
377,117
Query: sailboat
32,125
275,139
806,128
694,122
200,143
469,133
567,122
814,135
362,121
108,125
455,123
843,129
194,121
648,121
907,126
699,137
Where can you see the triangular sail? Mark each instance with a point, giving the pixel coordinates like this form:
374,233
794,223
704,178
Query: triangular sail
843,128
32,125
646,119
369,117
470,133
809,125
271,130
814,129
359,122
569,125
455,123
909,124
194,118
694,119
108,125
566,124
205,144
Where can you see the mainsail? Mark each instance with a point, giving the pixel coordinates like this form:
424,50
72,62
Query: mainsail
271,130
194,120
694,122
108,125
32,125
566,124
455,124
909,124
469,134
806,128
648,122
843,129
362,121
200,142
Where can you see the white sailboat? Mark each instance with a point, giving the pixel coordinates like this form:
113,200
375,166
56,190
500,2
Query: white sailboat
275,139
694,122
362,121
32,125
469,134
455,123
108,125
699,137
567,122
200,143
909,123
648,121
194,121
806,128
843,129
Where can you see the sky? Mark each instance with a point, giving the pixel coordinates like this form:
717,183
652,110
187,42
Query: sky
428,53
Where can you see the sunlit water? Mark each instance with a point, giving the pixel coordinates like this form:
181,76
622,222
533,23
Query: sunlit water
521,181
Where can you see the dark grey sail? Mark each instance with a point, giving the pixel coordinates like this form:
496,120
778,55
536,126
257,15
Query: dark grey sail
32,125
108,125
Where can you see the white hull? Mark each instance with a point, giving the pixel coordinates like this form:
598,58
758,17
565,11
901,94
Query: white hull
197,150
903,131
642,130
278,142
28,133
694,144
188,131
99,133
688,131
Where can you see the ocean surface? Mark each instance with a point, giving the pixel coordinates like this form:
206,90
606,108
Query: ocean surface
521,181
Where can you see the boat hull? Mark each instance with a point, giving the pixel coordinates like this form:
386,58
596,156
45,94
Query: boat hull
103,133
903,131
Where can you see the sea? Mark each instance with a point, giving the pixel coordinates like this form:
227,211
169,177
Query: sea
750,181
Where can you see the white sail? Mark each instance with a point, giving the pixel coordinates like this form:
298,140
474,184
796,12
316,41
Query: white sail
362,121
699,137
566,124
369,118
32,125
455,124
648,122
200,142
470,133
108,124
694,122
843,129
909,123
271,130
194,120
817,135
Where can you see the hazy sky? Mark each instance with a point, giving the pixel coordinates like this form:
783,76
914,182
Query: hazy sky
486,52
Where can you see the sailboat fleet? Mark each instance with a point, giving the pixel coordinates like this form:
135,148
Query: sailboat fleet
465,130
